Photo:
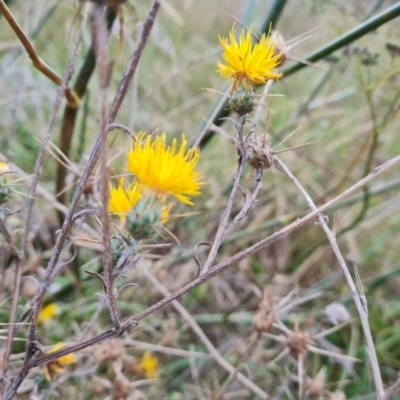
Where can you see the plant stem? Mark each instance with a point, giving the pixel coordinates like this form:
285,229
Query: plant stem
361,308
71,113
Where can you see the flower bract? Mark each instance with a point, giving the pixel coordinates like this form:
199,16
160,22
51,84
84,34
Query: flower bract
166,170
165,213
248,64
121,199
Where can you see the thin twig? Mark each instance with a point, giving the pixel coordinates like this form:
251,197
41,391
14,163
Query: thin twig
393,389
223,225
250,198
40,190
361,311
124,128
37,61
233,375
100,47
259,109
84,213
103,337
9,240
71,114
242,150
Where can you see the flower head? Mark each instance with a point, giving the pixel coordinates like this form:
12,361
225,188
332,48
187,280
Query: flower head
149,365
48,312
246,63
166,170
57,366
121,199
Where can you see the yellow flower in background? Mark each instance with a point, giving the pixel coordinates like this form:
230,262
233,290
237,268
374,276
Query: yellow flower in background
166,170
121,199
148,365
3,167
248,64
57,366
48,312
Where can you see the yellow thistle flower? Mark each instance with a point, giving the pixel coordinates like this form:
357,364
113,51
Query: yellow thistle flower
121,199
247,64
48,312
166,170
148,365
57,366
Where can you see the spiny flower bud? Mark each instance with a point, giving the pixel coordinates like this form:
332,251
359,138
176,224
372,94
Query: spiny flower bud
144,220
242,102
298,342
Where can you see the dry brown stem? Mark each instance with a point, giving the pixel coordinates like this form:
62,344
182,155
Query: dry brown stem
100,46
7,235
242,151
362,311
38,63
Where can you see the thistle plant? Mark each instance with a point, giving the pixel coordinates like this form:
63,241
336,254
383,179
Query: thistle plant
183,268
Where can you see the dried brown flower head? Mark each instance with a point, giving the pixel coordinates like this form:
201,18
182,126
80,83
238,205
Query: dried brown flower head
108,351
260,154
298,342
316,386
265,316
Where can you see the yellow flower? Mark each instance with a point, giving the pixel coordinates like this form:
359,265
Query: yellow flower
247,64
3,167
149,365
57,366
166,170
48,312
121,199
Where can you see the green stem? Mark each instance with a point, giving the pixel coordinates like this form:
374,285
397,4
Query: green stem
376,130
347,38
